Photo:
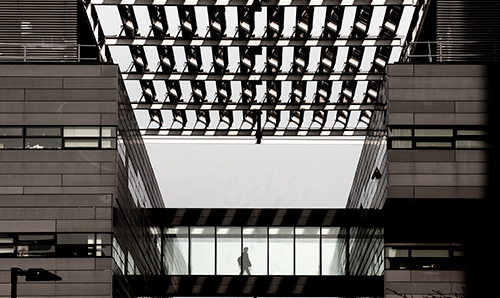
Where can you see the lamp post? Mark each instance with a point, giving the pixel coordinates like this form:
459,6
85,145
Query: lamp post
32,274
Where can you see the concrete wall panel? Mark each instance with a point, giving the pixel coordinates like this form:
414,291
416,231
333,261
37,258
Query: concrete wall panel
438,167
438,83
421,155
32,82
50,168
438,94
90,82
11,94
438,180
90,107
55,200
449,70
451,119
421,107
48,213
70,95
27,226
76,226
400,119
443,192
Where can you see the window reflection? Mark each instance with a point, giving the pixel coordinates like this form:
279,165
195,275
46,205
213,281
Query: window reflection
331,256
177,250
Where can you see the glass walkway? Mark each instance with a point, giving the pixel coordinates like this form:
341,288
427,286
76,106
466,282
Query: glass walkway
265,252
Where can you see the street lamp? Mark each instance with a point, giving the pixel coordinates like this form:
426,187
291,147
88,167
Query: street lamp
32,274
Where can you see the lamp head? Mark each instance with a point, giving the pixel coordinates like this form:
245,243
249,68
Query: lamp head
40,274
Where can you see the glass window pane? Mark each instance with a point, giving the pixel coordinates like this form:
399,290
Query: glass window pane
401,144
203,250
430,253
433,144
43,131
103,250
307,251
81,143
7,250
11,131
108,131
104,239
75,250
43,143
332,255
108,143
281,251
36,239
255,238
6,238
176,250
471,132
432,132
35,245
75,238
228,250
462,144
81,132
400,132
397,253
11,143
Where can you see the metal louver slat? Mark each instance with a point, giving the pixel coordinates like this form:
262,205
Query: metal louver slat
28,29
468,30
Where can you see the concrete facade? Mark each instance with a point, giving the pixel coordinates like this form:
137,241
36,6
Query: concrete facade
65,192
438,96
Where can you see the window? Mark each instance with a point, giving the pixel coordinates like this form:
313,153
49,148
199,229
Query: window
58,137
35,245
432,258
64,245
438,138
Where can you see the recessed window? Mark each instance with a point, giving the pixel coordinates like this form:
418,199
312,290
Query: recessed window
400,132
401,144
433,132
81,143
463,137
58,137
43,131
11,131
43,143
433,144
471,132
108,131
11,143
81,132
471,144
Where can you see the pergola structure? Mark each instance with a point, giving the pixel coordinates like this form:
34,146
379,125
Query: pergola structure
255,68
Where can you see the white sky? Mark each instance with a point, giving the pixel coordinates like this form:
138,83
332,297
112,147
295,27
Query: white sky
258,176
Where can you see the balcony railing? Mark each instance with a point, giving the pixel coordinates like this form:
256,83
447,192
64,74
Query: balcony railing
451,51
48,52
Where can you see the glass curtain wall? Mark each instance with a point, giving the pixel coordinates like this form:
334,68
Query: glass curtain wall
261,250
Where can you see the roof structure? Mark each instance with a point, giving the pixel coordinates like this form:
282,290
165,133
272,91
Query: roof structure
254,68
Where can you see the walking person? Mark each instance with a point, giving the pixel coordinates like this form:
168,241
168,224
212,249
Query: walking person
244,262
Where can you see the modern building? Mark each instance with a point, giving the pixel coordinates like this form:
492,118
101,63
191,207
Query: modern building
75,174
434,172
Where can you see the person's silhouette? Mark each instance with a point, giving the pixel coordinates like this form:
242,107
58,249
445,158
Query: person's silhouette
244,262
